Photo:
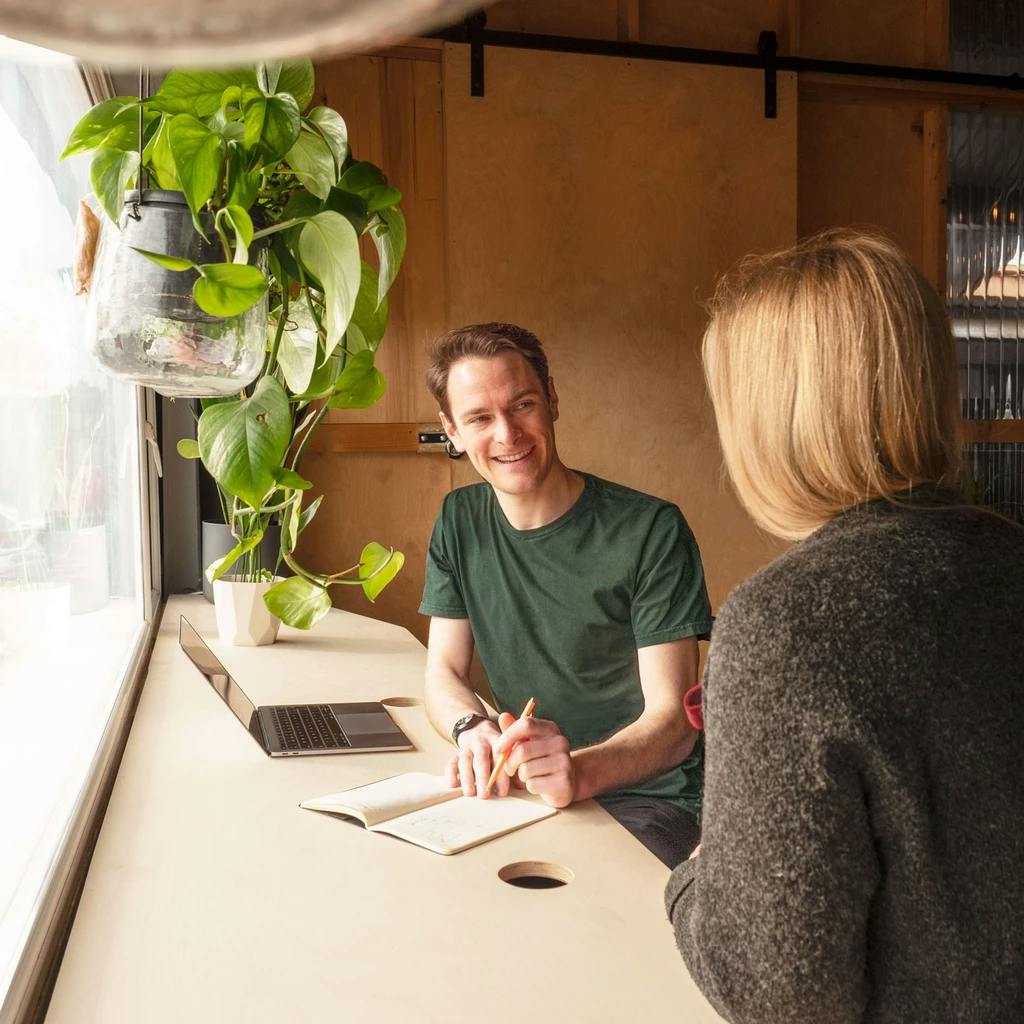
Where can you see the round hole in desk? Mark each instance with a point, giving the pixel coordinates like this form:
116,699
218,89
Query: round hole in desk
401,702
536,874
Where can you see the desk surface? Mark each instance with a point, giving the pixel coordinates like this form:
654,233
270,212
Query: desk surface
213,898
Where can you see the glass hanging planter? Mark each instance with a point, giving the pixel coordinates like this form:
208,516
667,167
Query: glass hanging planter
145,327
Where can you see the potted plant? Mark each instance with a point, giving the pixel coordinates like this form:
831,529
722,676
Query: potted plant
277,205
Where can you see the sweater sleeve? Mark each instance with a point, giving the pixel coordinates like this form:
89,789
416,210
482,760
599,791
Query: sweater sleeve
771,918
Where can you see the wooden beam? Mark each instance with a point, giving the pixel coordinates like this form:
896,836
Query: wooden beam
627,21
933,197
936,33
415,49
816,86
789,26
993,431
345,438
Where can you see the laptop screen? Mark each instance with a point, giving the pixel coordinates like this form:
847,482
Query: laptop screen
217,676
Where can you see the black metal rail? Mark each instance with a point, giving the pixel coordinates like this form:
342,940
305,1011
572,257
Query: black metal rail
766,58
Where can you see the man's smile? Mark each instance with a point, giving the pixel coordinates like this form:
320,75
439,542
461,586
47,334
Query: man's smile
507,460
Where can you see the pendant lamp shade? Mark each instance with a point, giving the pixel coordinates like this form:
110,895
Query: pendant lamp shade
162,33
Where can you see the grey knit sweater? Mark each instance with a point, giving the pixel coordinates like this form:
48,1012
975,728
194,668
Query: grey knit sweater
862,855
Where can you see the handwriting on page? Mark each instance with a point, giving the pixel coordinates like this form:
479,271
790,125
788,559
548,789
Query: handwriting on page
459,823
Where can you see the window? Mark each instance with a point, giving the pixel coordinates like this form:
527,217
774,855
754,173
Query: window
984,252
72,581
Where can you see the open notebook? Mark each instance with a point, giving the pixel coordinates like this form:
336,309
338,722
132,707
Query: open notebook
424,810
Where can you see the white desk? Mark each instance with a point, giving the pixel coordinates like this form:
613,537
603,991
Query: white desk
212,898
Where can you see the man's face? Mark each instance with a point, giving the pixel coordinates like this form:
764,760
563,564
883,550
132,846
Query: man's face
501,419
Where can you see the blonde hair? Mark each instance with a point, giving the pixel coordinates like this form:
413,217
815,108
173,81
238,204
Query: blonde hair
833,374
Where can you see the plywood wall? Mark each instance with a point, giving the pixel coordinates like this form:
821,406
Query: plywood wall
870,155
601,216
842,178
596,200
705,24
393,107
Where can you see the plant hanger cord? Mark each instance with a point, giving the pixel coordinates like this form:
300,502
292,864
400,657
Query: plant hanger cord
144,87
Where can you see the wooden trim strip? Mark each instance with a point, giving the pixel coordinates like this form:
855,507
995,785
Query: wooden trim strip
993,431
429,50
627,18
933,196
347,438
815,86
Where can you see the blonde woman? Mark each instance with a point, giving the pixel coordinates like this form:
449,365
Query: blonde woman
864,697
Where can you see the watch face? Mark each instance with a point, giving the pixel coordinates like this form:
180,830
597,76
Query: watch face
464,723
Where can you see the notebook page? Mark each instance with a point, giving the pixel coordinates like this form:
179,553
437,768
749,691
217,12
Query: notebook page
388,798
459,824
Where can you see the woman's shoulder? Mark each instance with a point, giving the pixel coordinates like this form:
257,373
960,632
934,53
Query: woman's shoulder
880,570
782,636
871,545
780,588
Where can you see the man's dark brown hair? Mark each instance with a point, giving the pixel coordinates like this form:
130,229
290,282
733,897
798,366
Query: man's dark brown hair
482,341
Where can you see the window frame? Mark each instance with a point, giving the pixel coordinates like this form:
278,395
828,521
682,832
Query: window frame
33,977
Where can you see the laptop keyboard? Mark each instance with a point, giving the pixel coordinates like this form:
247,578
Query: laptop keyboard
308,727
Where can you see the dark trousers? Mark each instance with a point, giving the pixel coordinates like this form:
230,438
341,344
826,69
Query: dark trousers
669,832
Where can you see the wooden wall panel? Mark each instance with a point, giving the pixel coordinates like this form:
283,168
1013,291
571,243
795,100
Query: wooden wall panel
594,19
713,24
389,498
869,30
392,106
863,164
934,186
870,154
643,182
596,201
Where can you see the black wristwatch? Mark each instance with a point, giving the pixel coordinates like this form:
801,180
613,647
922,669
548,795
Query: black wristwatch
466,722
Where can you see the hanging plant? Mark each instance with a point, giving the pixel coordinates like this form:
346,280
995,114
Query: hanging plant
278,204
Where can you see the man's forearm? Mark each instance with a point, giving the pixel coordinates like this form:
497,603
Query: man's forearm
646,748
448,697
659,739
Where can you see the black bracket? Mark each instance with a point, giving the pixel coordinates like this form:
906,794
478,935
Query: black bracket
431,438
475,33
768,49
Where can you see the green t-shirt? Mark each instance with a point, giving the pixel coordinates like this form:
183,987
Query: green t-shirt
558,613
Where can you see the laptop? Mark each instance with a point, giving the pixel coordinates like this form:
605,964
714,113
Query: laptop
294,730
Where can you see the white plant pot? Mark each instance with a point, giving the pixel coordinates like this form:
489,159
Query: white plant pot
243,620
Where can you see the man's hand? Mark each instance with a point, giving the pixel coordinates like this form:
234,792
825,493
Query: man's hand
539,758
471,765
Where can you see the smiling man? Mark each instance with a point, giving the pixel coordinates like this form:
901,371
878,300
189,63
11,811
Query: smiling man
583,594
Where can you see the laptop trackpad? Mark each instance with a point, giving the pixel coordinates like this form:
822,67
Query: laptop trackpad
367,724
